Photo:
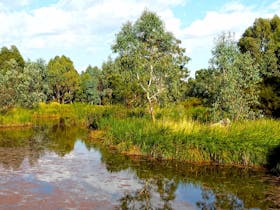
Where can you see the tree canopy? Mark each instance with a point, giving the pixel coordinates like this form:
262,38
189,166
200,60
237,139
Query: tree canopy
63,79
89,86
262,41
236,80
149,69
6,55
151,57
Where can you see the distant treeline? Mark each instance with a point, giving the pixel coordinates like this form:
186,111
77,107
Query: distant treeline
149,69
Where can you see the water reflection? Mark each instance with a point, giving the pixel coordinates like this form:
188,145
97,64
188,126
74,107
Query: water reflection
57,167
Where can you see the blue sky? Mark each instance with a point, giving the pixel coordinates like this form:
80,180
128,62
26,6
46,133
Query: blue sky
84,30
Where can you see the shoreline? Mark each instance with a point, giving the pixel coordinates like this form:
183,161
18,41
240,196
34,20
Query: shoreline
138,155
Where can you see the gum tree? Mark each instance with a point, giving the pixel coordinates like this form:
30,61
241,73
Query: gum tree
262,41
236,80
152,57
63,79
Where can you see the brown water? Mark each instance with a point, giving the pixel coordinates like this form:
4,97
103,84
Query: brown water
58,168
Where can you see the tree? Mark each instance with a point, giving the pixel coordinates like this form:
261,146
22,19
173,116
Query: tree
7,55
24,87
236,81
32,87
202,86
89,88
150,57
63,79
262,41
118,86
8,81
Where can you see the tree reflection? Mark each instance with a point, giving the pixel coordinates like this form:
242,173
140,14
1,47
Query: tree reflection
17,145
147,197
221,187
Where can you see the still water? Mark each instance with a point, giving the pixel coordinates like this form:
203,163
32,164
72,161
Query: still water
54,167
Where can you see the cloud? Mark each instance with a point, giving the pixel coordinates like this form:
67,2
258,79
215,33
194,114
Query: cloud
85,29
233,17
72,24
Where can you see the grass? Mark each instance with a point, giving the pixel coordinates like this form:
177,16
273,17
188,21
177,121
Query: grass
73,114
180,132
246,143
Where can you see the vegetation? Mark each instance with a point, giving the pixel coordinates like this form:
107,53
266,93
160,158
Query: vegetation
149,70
263,43
63,79
164,177
246,143
160,180
151,58
236,81
147,76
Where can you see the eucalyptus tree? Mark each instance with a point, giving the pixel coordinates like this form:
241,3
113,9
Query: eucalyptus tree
8,80
23,87
150,57
236,80
6,55
89,86
203,86
33,87
63,79
118,86
262,41
11,64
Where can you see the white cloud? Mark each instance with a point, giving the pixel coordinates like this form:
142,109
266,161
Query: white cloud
233,17
72,24
88,26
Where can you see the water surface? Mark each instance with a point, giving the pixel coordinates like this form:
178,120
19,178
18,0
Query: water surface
55,167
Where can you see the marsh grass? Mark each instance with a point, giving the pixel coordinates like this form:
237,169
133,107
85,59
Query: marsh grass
16,116
178,132
244,143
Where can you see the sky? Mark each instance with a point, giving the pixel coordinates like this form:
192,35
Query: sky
85,30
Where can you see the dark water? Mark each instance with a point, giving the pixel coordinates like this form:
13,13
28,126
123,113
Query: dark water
57,168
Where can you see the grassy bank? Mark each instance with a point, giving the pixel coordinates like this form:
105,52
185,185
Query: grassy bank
72,114
245,143
179,133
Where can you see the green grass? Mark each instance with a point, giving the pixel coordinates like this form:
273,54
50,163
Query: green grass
16,116
73,114
247,143
180,132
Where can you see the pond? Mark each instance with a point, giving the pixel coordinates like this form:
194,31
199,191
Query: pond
53,167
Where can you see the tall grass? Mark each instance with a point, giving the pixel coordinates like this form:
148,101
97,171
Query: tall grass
16,116
180,132
243,143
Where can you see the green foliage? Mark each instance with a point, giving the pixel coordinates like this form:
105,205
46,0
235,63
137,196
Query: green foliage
247,143
33,86
117,85
89,87
262,41
24,87
151,58
175,135
236,81
203,86
11,68
8,81
6,55
63,79
16,116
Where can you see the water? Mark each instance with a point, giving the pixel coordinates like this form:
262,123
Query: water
58,168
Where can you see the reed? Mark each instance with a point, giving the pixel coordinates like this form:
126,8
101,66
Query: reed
246,143
180,132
